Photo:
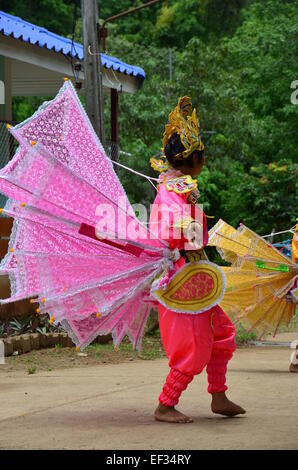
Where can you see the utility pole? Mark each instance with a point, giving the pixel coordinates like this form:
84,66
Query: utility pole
92,68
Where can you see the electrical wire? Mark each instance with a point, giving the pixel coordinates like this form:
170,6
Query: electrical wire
148,178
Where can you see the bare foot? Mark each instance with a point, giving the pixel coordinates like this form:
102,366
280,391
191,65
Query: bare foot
222,405
170,415
293,367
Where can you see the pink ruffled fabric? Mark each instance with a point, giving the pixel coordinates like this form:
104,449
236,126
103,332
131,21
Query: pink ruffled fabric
191,343
175,384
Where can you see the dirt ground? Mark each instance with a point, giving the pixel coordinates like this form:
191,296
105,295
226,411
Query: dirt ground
109,405
61,358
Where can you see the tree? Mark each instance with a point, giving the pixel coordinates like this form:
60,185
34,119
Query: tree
54,15
236,59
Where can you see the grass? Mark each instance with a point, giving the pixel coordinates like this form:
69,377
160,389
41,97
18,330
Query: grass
243,336
57,358
151,349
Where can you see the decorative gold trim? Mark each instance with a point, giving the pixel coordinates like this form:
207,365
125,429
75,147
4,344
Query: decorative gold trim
181,185
193,305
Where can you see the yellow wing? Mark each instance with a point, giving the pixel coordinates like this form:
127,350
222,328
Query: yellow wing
258,280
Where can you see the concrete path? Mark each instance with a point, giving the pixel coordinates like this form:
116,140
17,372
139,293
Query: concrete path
110,407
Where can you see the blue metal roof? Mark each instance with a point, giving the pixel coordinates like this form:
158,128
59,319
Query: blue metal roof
27,32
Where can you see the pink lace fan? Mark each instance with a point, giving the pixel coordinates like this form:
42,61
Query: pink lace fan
62,191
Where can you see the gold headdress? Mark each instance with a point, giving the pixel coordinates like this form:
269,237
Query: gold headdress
186,125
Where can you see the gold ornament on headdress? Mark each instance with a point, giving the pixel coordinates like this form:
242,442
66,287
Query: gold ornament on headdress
159,165
186,125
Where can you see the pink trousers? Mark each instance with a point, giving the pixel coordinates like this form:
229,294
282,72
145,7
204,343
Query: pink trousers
192,342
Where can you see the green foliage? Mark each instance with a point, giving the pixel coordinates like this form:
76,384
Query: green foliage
236,59
210,20
138,27
264,51
243,336
54,15
22,107
228,82
264,198
30,324
31,370
19,327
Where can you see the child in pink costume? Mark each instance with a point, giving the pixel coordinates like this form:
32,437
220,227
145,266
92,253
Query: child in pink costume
191,341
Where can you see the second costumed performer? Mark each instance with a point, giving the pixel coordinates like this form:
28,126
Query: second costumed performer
195,339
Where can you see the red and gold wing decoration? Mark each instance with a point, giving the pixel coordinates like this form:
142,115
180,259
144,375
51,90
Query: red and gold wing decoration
195,288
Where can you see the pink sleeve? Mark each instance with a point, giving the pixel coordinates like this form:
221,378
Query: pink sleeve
169,212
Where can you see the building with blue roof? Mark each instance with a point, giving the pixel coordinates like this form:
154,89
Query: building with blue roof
33,61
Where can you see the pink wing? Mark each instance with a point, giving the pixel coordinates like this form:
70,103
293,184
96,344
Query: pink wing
60,179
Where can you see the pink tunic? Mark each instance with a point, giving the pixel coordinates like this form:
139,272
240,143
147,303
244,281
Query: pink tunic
190,341
169,208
